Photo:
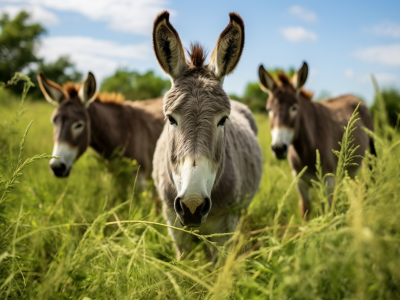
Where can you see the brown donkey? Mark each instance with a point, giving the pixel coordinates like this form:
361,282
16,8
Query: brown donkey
208,156
300,126
104,121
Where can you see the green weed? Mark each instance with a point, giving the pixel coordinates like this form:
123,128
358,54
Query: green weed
84,237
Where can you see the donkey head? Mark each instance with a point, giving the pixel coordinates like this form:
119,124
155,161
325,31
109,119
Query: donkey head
197,109
70,119
283,107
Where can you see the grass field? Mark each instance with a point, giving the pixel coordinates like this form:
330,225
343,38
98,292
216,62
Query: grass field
89,237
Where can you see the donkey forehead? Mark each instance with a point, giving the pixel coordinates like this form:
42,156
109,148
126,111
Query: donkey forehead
197,91
70,109
283,98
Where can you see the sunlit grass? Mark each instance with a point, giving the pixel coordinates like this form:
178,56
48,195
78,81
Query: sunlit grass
80,237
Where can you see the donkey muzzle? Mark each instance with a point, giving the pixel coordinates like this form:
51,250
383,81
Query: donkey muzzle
59,168
280,151
192,211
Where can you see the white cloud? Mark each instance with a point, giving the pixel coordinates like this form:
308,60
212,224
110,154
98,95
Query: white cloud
349,73
302,13
388,29
387,55
383,79
38,14
121,15
298,34
89,54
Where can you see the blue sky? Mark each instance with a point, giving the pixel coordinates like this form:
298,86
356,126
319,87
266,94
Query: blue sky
342,41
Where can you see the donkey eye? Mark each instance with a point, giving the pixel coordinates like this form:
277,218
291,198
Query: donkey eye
77,126
172,121
222,121
293,108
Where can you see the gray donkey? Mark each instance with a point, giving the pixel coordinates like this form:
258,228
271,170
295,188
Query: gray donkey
208,157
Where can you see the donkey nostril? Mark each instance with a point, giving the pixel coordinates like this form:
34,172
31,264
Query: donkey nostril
284,148
206,206
62,167
178,206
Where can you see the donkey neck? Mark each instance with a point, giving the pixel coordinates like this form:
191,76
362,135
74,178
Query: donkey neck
305,136
112,127
101,120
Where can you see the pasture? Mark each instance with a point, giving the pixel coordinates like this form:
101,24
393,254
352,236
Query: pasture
89,236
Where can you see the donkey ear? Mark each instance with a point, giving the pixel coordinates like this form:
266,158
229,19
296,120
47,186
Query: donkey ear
168,47
267,83
87,92
299,78
51,90
229,48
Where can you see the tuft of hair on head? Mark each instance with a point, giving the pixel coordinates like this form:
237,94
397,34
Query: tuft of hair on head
105,97
283,78
197,54
72,88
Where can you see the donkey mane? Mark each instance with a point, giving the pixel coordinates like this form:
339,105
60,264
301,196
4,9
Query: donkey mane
197,54
105,97
284,80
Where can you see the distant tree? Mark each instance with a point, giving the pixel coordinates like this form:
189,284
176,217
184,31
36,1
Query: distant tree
254,97
60,71
323,95
391,97
18,44
136,86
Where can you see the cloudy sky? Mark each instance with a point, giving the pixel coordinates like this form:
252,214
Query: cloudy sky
342,41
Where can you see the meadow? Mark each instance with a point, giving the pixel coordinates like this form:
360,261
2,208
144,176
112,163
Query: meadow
93,236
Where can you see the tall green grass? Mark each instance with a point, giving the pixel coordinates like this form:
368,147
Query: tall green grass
86,237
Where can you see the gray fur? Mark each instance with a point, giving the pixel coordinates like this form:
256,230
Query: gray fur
199,103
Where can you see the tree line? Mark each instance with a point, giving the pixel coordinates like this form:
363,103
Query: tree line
20,41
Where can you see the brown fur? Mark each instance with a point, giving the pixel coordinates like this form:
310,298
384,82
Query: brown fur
197,55
198,101
105,97
317,125
110,123
285,81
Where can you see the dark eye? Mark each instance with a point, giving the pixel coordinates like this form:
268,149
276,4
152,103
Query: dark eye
172,121
222,121
77,126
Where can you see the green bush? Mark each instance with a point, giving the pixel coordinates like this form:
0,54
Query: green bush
391,97
136,86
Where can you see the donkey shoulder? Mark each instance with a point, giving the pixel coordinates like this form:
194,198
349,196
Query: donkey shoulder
342,102
245,112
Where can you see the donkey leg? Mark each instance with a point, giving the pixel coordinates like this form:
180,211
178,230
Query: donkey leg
181,239
303,189
227,224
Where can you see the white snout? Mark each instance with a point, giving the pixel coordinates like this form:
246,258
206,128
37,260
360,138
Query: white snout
282,136
66,153
194,180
